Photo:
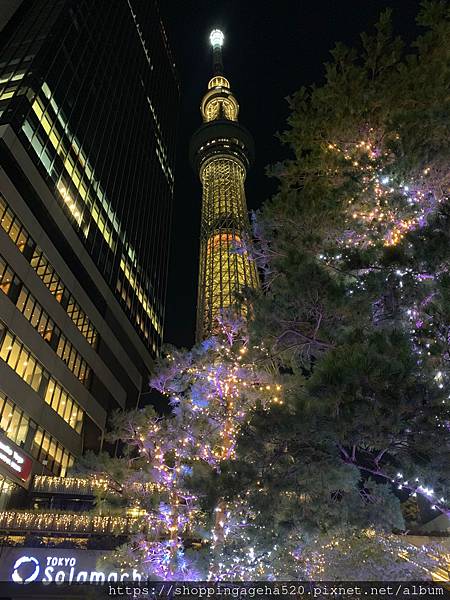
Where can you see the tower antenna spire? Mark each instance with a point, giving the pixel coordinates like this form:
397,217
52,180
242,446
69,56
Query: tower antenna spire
217,38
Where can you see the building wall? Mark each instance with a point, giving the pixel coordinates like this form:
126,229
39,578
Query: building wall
95,101
7,10
88,112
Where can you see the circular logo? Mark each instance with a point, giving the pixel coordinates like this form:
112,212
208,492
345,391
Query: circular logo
25,560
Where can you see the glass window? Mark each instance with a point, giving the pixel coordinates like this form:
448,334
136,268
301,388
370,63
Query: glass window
29,308
7,220
28,374
6,277
67,411
77,363
45,444
60,348
23,430
54,285
70,306
37,442
34,262
37,376
79,421
27,129
42,325
49,391
84,371
22,363
37,145
64,463
6,416
52,452
32,312
14,230
13,356
56,396
22,299
22,240
58,454
47,277
48,330
71,361
73,417
13,427
66,353
62,402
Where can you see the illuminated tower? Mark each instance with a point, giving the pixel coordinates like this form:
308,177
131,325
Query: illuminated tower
221,151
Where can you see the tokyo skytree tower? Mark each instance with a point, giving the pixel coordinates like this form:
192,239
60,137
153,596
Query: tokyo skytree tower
221,151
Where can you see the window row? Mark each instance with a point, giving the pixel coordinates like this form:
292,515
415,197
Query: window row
47,273
75,185
140,293
20,359
51,453
13,421
80,191
35,314
72,358
123,287
80,180
13,227
47,328
15,424
14,353
52,281
63,404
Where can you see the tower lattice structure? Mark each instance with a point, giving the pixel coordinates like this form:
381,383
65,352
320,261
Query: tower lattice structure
221,151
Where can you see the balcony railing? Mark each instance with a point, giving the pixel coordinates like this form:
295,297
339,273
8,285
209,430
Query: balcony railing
64,522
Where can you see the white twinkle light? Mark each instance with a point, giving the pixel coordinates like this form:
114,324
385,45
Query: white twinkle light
216,38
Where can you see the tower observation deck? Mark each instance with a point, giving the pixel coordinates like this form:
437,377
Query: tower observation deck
221,151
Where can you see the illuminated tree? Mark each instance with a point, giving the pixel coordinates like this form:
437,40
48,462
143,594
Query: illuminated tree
352,323
355,252
211,390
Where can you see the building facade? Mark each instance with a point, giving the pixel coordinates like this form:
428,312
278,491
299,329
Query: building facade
88,111
222,151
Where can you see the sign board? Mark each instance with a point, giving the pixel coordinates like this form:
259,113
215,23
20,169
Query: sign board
51,565
14,459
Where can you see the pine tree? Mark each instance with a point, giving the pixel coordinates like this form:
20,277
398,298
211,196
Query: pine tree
355,254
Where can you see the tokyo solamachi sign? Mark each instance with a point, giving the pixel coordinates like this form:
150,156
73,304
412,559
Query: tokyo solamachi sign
38,565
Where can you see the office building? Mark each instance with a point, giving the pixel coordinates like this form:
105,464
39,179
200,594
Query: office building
88,111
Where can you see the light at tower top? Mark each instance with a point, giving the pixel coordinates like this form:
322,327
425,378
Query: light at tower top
216,38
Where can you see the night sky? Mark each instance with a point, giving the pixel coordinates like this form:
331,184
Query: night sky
272,48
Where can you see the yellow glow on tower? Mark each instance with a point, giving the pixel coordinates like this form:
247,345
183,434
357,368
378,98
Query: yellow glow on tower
221,151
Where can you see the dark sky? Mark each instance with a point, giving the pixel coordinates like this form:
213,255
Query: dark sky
272,48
